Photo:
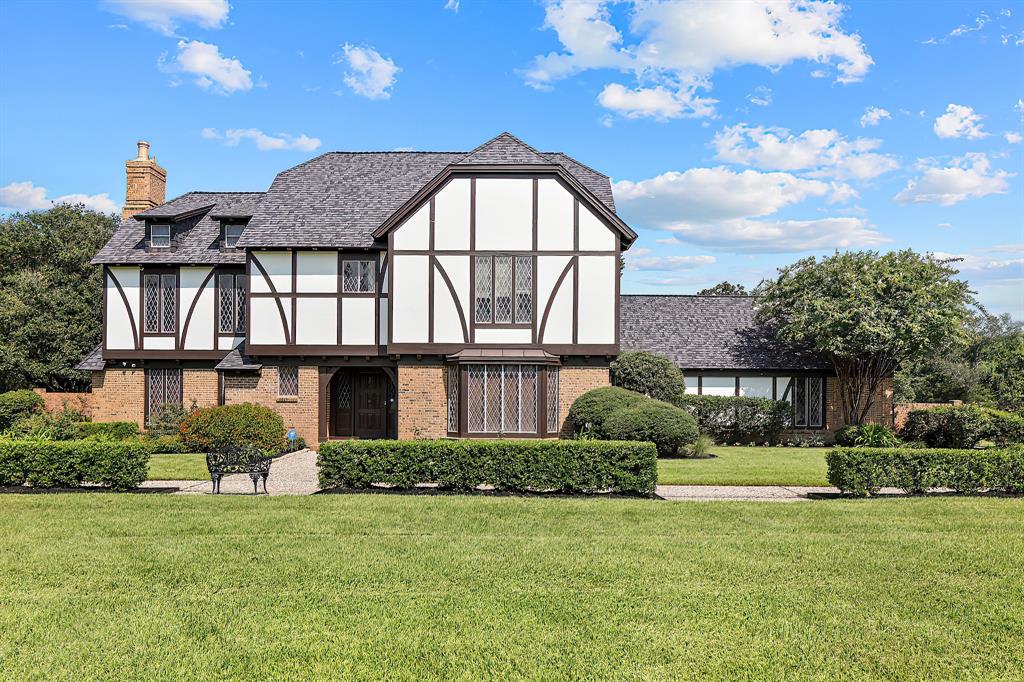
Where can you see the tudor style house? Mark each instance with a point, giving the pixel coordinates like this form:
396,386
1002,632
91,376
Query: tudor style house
368,295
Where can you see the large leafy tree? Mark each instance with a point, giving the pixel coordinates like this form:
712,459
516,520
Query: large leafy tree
50,297
869,314
725,288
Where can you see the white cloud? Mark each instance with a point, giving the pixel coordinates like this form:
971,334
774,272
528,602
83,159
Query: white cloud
967,177
873,116
214,71
264,142
657,103
761,96
988,268
641,261
820,152
963,29
842,193
722,208
26,196
959,121
1013,138
944,226
370,74
678,45
452,5
165,15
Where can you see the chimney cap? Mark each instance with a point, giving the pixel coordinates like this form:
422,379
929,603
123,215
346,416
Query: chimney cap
143,150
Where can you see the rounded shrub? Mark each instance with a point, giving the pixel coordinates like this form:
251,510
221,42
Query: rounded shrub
648,374
589,411
16,405
214,428
667,426
961,426
846,436
1003,428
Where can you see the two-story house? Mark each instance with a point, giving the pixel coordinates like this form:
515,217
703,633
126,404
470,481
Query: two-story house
368,294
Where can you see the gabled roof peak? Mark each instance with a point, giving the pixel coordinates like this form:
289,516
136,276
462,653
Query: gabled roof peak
506,148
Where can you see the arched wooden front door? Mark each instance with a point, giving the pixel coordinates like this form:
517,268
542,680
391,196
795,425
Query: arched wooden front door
361,403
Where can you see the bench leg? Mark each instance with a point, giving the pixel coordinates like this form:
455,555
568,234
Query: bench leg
265,477
216,483
255,483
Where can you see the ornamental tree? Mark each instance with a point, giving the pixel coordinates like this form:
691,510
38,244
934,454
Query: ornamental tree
868,314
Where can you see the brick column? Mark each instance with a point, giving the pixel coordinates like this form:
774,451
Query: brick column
422,406
574,382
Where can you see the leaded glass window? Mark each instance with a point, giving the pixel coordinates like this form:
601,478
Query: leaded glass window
452,391
503,289
159,303
288,381
231,300
357,277
502,398
552,400
163,387
808,398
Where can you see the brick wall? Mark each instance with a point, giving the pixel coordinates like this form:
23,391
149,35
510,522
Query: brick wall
881,411
119,395
57,401
901,410
199,385
574,382
422,405
261,388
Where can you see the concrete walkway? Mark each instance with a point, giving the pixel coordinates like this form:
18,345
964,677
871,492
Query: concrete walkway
291,474
749,493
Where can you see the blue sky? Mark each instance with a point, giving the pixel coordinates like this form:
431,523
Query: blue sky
740,136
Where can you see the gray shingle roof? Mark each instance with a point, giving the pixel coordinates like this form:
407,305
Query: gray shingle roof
504,149
199,240
707,332
237,360
93,361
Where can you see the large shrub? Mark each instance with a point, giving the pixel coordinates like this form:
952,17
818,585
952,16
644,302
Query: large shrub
589,411
653,421
730,419
63,425
946,427
16,405
166,419
648,374
863,471
122,430
214,428
70,463
1004,428
562,466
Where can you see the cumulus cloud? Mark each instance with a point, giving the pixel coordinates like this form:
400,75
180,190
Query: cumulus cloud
726,209
678,45
987,267
369,74
967,177
264,142
959,121
658,103
823,152
640,259
26,196
213,71
873,116
761,96
1013,138
165,15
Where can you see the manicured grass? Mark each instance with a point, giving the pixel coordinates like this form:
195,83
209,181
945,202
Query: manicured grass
180,467
429,587
748,466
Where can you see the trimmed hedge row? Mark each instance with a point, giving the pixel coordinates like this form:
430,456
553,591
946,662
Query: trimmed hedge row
563,466
962,426
70,463
108,430
863,471
732,419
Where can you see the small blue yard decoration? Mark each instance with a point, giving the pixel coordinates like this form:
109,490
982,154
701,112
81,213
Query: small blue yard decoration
292,435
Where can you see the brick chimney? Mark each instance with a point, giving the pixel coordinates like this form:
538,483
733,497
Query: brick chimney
146,183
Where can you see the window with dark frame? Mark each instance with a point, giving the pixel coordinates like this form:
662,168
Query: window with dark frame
159,302
357,277
231,300
232,231
808,399
288,381
503,290
163,387
160,236
502,398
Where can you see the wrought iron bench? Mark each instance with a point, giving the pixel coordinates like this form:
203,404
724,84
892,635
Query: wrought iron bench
239,460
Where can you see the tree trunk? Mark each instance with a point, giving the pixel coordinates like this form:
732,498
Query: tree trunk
859,381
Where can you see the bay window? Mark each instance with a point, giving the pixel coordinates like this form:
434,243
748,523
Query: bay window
502,399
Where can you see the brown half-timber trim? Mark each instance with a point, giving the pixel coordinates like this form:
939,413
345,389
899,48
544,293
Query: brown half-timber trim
295,300
451,289
192,308
127,308
551,299
277,299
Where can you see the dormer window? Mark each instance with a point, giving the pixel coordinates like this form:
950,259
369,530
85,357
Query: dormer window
232,231
160,236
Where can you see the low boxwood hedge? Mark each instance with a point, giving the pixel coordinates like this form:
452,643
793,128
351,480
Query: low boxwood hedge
563,466
121,465
863,471
108,430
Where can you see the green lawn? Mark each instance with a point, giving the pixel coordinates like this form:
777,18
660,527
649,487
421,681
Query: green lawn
159,587
748,466
190,467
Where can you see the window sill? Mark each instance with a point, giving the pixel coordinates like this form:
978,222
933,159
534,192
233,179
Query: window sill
287,398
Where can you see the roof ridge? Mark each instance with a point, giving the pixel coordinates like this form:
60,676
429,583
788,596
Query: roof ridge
575,160
508,135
